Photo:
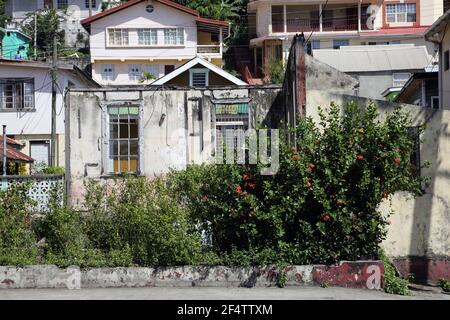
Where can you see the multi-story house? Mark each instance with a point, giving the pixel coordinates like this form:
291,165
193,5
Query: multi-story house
25,105
71,12
439,33
336,23
154,37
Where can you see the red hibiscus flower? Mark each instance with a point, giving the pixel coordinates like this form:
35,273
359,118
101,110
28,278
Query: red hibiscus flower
397,160
359,157
250,185
245,176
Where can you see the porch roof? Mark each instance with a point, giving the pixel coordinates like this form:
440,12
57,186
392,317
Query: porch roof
213,26
13,154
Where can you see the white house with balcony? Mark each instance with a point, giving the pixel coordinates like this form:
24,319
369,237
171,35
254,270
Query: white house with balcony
142,37
26,105
335,23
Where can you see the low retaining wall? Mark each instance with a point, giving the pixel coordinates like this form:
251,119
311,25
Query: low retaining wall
358,274
425,270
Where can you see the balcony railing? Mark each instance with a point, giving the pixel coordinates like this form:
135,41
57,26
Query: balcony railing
209,49
310,20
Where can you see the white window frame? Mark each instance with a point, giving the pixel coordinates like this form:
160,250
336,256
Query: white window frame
147,36
108,76
134,71
124,34
93,3
395,82
341,41
198,70
111,140
153,69
174,36
62,4
399,12
433,104
21,97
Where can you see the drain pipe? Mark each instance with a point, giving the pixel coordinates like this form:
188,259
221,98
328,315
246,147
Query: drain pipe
4,149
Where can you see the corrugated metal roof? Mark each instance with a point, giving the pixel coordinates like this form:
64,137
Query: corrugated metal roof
374,58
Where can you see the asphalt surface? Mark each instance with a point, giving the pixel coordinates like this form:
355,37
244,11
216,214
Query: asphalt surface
203,293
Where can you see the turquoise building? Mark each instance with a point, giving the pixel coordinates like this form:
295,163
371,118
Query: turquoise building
11,41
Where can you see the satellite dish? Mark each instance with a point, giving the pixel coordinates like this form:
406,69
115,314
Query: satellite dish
149,8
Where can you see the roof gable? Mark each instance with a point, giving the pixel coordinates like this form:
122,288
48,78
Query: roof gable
192,63
86,22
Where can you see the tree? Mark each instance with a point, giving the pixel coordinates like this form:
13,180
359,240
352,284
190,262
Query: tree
234,11
48,27
3,16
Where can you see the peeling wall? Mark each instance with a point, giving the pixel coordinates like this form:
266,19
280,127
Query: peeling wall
420,227
175,126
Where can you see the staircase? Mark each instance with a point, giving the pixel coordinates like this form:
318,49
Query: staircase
243,64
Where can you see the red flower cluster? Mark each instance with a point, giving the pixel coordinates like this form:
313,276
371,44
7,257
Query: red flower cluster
397,160
245,176
250,185
359,157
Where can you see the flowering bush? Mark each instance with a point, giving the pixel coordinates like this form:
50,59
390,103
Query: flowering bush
321,206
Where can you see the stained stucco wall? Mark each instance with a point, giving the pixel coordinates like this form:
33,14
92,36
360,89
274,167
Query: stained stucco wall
421,226
446,73
183,136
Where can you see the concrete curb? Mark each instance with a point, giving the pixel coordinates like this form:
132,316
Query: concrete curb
354,274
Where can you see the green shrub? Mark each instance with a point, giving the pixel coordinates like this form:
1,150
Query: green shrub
444,284
321,206
17,240
393,283
140,218
275,71
53,170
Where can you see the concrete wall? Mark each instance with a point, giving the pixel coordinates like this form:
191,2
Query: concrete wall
420,227
166,144
446,74
356,274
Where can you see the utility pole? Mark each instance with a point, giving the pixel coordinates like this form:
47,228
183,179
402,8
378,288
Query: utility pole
4,150
35,35
54,71
90,8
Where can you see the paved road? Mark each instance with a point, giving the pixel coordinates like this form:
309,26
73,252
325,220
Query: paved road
197,293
